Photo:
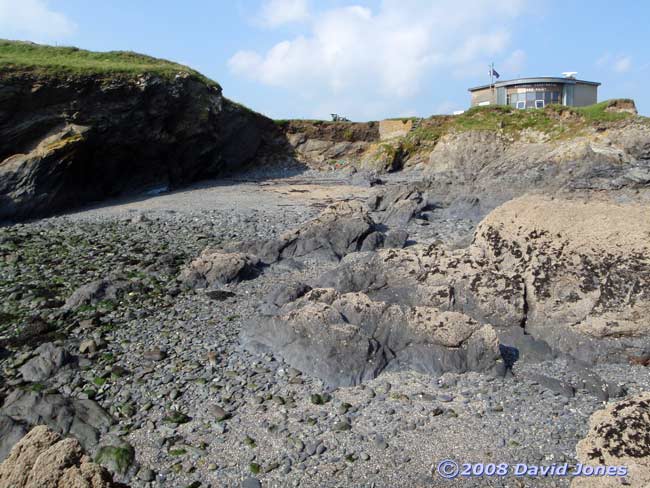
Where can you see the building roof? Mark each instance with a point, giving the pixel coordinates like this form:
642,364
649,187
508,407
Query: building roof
537,79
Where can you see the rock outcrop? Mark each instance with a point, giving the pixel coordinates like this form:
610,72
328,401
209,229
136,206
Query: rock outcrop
585,269
570,273
84,419
215,267
342,228
42,459
345,339
47,360
66,140
326,144
619,435
493,167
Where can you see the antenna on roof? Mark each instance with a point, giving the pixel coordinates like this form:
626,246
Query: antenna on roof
570,74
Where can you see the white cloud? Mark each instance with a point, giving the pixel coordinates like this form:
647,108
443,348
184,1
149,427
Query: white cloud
619,63
388,52
623,64
278,12
604,59
515,63
33,20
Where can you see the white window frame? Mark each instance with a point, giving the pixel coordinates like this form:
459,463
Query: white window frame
521,104
537,104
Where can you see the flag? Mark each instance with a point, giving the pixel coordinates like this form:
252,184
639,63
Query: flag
494,73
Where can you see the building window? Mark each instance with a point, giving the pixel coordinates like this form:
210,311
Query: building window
521,104
532,95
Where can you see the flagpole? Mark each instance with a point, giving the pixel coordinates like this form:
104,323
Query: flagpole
492,81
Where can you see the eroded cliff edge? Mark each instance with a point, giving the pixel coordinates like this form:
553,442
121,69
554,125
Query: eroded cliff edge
77,127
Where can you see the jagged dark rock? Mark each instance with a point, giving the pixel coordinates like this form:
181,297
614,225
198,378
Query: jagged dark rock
66,140
47,361
347,339
341,229
84,419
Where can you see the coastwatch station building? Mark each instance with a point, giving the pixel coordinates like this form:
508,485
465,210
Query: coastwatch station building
537,92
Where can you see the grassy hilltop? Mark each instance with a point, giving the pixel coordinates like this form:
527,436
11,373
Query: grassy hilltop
17,57
42,60
554,120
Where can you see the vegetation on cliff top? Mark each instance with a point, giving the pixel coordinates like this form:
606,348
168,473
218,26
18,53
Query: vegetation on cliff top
17,56
556,121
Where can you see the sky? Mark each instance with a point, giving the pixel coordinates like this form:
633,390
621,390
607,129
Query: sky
365,60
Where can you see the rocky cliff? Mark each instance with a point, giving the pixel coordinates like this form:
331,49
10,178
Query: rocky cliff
78,127
493,154
82,128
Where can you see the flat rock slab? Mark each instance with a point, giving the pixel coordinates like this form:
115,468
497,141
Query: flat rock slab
96,291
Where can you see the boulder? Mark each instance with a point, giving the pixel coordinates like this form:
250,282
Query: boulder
42,459
341,229
96,291
47,361
619,435
215,268
585,265
84,419
116,455
346,339
11,431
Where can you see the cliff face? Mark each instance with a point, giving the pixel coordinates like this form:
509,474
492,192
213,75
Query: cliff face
66,140
79,127
495,167
496,153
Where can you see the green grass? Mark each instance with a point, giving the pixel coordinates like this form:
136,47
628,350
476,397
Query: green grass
598,112
555,120
51,60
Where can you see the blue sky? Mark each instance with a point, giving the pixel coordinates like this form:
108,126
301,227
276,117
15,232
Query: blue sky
363,59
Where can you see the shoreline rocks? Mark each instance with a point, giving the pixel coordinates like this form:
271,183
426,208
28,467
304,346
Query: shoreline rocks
42,459
346,339
619,435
